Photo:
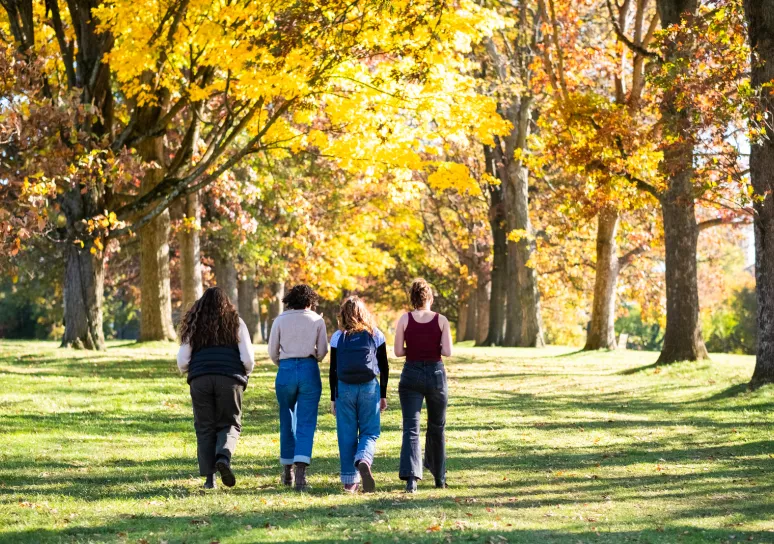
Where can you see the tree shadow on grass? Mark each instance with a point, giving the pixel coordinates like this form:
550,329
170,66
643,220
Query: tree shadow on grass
730,393
324,525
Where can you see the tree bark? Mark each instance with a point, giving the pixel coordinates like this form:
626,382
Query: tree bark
497,298
682,337
482,310
248,304
84,276
190,253
760,25
462,317
602,328
275,304
156,294
523,322
226,276
470,322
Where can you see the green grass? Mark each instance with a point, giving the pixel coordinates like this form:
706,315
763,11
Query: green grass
544,446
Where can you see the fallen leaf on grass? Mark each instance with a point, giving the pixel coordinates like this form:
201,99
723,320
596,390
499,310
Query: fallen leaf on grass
378,511
433,528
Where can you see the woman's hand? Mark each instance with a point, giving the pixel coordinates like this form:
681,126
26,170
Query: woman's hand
382,405
333,407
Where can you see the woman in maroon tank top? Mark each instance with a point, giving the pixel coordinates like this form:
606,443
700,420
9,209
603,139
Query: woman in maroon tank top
423,336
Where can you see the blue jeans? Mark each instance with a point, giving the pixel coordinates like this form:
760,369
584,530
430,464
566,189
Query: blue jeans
423,382
298,388
357,426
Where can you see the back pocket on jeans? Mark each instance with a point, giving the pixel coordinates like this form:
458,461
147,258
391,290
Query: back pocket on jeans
440,379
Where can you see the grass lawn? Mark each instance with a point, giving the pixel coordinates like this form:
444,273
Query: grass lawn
544,446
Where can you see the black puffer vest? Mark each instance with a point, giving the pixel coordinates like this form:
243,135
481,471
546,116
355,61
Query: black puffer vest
222,360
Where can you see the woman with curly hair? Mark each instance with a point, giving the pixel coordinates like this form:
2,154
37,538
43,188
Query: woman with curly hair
358,379
423,337
298,341
216,351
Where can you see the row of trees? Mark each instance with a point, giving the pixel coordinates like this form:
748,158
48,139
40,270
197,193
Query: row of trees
356,144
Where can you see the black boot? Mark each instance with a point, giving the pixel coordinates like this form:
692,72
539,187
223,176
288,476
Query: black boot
300,476
209,482
287,475
440,483
226,475
411,485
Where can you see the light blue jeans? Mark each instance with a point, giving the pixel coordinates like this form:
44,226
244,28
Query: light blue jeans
298,388
357,426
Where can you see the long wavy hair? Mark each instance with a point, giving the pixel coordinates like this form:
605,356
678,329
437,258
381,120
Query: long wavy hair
355,317
211,321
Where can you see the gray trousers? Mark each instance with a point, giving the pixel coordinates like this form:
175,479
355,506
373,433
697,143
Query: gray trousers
217,409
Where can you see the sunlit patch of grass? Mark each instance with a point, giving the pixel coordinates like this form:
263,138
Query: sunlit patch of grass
544,446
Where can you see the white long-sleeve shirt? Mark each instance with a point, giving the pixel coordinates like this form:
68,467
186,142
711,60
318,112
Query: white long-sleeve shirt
246,351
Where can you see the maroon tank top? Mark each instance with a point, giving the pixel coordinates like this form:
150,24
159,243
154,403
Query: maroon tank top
423,340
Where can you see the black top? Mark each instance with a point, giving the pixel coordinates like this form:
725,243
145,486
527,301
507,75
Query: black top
384,371
222,360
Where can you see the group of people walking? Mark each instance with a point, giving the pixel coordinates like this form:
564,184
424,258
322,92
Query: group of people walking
217,353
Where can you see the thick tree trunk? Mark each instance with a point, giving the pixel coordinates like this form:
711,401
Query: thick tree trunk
482,311
84,271
190,253
523,322
497,298
248,304
602,328
275,304
462,317
513,304
83,292
226,276
470,322
156,294
682,337
760,24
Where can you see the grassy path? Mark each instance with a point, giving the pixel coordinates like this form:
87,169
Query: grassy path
544,446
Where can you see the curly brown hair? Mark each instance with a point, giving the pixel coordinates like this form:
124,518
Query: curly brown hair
211,321
355,317
301,297
421,292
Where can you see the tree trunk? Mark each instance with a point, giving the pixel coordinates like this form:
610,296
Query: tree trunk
83,291
682,337
190,253
275,304
482,310
226,276
760,24
248,304
497,297
523,322
470,323
513,301
155,291
602,328
462,317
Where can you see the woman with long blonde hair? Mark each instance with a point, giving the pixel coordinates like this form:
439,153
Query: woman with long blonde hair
358,380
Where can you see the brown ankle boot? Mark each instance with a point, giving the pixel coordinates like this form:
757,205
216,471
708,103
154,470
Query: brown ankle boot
287,475
300,476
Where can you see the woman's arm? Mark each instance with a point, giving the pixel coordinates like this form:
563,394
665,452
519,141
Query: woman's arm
183,358
322,341
384,369
246,350
400,329
333,377
274,342
446,340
